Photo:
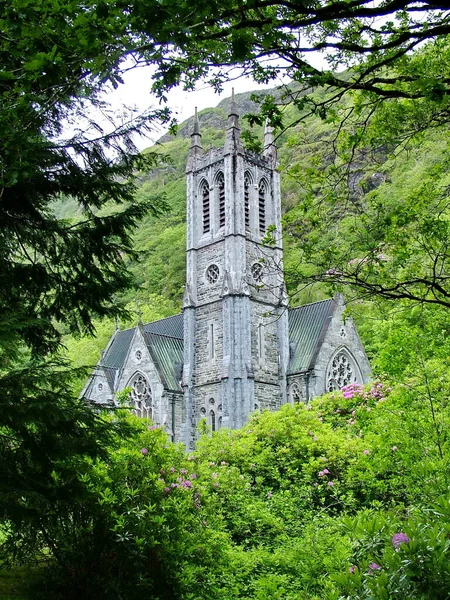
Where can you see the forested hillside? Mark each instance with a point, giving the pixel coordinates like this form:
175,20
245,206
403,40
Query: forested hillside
376,175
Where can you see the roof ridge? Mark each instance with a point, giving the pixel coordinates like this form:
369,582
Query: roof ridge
173,337
311,303
180,314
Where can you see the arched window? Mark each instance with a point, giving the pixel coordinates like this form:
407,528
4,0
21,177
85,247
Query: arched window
296,394
247,183
262,193
340,372
212,420
141,395
220,182
204,190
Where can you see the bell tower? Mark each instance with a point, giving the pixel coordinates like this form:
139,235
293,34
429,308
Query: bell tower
236,347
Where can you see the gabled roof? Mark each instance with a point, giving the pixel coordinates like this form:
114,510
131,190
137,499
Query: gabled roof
167,354
164,340
308,325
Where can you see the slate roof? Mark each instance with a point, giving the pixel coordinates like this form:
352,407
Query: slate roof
308,325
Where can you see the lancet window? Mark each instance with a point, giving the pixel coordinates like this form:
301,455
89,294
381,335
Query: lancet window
221,194
262,193
247,183
204,190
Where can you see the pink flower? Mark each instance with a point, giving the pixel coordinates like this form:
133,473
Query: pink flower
366,452
166,490
212,464
191,457
321,473
216,484
192,476
223,463
394,448
214,475
269,494
352,569
325,471
187,484
183,471
330,483
172,469
374,567
398,539
144,451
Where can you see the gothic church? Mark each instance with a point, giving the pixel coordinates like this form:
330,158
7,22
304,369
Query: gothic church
237,347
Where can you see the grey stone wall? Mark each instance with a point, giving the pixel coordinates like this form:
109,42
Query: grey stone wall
341,336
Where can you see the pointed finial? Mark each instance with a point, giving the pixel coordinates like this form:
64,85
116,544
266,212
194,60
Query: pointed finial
233,115
270,150
196,136
232,141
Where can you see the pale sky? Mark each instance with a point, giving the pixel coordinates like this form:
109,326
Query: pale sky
136,92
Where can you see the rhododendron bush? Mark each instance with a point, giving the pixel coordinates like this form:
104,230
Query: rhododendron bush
344,498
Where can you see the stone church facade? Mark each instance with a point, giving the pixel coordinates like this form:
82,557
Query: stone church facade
237,347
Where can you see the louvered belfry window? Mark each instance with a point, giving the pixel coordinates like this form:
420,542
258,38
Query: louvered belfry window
221,188
247,200
262,207
206,207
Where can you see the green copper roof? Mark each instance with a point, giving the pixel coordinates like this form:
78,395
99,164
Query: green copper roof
307,327
171,326
167,354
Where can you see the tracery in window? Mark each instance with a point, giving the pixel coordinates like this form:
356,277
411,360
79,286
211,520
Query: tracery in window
204,189
340,372
212,273
141,395
247,182
257,272
221,193
296,394
262,193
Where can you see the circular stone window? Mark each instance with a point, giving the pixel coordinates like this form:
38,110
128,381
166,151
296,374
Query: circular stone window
138,355
257,272
212,273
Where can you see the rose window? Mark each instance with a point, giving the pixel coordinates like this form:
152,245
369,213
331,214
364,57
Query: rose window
257,272
212,273
340,373
142,396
